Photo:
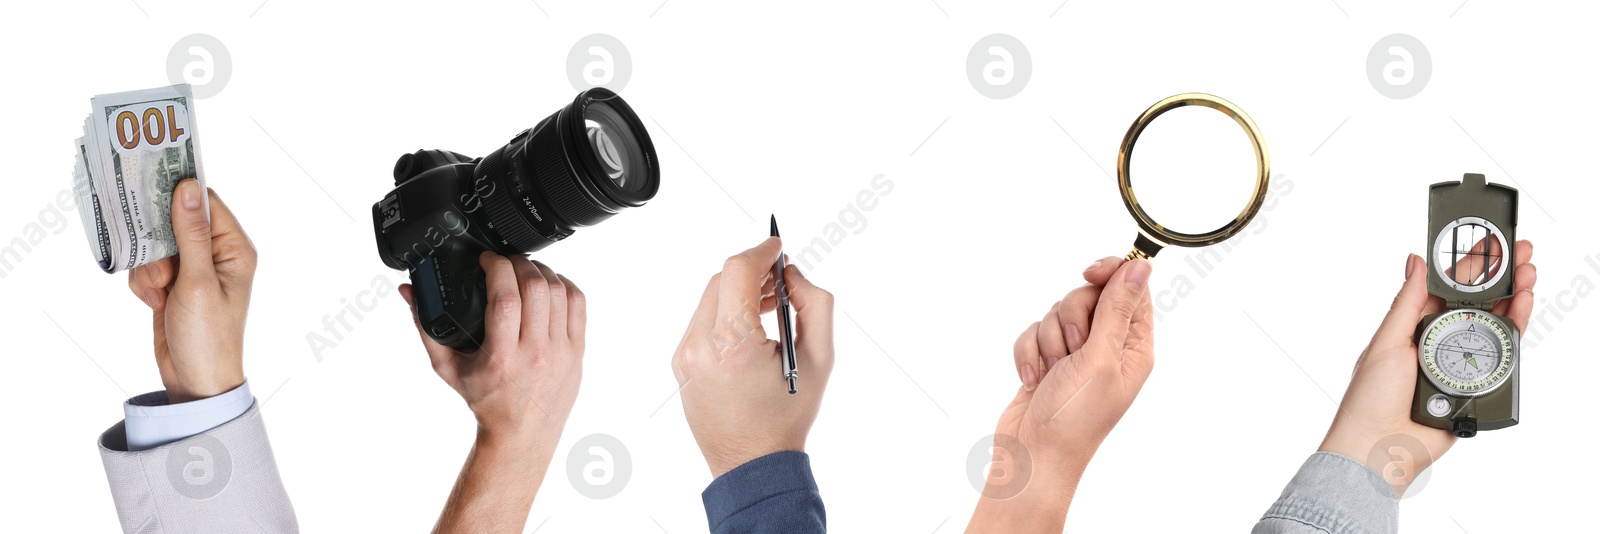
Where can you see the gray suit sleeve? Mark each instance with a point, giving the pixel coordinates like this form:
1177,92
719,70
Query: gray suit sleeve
221,480
1333,494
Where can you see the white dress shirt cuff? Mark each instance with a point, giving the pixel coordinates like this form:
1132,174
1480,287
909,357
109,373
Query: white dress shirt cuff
152,422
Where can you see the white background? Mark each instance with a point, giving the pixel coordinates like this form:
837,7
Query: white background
792,108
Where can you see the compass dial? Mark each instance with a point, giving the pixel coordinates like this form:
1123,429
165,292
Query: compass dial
1467,352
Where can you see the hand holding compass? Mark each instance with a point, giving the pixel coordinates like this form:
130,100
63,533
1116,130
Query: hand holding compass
1378,403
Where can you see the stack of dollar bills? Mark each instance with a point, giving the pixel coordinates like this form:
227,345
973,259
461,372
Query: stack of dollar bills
136,147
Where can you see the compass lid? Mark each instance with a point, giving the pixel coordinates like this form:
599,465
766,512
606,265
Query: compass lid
1472,227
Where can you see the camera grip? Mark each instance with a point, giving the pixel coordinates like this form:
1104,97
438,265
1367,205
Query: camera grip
450,296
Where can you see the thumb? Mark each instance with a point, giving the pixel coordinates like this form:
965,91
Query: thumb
1401,322
814,315
192,231
1108,332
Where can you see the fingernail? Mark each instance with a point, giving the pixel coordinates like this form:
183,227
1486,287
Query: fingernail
149,297
1050,363
1030,379
1411,260
191,194
1095,265
1138,275
1074,338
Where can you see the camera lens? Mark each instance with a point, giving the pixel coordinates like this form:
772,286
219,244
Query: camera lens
616,148
578,167
606,150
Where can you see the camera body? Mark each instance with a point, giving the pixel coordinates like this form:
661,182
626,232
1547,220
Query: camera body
423,227
577,167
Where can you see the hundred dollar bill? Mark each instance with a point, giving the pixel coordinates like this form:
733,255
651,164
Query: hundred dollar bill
136,147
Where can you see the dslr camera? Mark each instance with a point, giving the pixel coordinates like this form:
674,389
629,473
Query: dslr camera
577,167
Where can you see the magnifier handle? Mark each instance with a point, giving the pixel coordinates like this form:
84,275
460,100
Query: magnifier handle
1144,248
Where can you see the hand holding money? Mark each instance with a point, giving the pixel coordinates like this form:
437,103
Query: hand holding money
200,298
136,147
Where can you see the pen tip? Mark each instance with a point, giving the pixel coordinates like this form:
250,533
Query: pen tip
774,226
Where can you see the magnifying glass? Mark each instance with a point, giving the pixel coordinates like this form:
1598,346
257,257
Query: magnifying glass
1152,235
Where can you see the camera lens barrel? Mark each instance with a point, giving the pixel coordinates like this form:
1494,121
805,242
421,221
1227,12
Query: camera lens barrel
495,178
578,167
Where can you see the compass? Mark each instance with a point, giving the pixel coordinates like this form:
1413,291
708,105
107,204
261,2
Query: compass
1467,353
1468,357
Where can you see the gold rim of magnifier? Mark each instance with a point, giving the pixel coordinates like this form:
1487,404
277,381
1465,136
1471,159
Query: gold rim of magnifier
1161,235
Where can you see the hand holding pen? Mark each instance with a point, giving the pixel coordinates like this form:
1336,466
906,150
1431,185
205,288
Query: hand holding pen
735,404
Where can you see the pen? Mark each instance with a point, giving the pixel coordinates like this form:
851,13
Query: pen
785,324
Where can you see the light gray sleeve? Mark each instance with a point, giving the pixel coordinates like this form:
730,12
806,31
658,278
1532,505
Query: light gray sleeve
1333,494
221,480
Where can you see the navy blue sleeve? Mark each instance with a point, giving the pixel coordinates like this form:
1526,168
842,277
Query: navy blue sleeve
774,493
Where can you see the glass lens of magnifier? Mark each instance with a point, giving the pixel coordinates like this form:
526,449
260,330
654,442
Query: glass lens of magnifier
1193,169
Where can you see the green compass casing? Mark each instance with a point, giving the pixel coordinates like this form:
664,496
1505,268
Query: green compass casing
1469,357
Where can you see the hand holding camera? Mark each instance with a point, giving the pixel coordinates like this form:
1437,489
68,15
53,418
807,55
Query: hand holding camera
505,332
520,384
524,379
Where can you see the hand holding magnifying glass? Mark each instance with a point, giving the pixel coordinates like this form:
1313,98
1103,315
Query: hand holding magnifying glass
1082,365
